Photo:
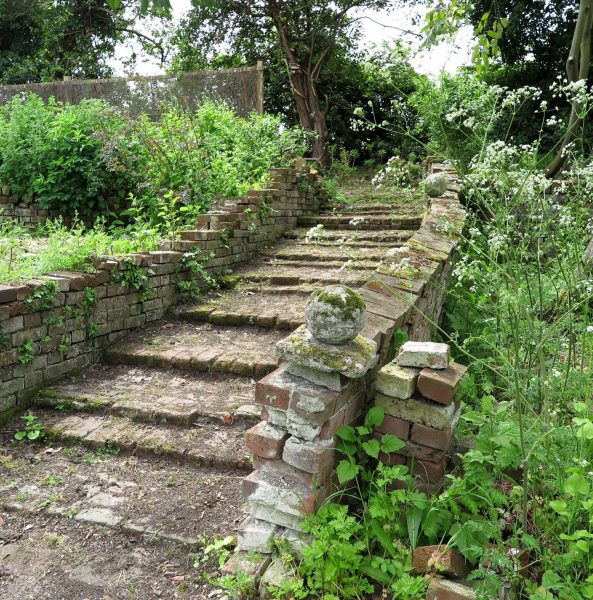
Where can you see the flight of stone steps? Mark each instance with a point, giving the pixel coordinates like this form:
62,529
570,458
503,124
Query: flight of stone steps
179,395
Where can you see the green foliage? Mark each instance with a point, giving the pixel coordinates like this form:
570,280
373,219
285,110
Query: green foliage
42,297
26,352
195,262
54,152
74,158
64,248
133,276
190,159
43,40
33,429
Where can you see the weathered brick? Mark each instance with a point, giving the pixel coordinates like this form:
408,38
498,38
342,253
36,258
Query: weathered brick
265,440
439,439
396,381
424,354
439,559
312,457
443,589
7,294
441,385
395,426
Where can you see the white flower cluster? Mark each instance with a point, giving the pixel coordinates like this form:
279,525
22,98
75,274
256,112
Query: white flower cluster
397,173
315,233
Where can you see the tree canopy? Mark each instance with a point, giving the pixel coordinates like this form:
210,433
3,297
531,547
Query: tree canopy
43,40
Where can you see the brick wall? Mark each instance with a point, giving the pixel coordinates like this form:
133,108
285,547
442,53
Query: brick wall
59,323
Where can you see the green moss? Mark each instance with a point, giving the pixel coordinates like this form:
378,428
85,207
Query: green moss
426,252
351,304
358,351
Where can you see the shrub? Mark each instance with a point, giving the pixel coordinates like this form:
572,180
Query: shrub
54,152
188,160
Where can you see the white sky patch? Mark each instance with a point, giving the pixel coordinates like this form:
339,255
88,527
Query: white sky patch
448,56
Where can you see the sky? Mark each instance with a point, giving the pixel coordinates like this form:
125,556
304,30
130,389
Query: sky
378,27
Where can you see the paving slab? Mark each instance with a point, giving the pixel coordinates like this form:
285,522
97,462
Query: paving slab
153,395
247,351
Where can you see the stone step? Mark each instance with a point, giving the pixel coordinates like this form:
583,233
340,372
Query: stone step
155,395
379,237
292,250
150,498
203,443
343,264
369,223
272,274
344,242
246,351
283,311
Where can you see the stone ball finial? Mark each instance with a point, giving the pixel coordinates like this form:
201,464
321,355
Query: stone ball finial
436,184
335,315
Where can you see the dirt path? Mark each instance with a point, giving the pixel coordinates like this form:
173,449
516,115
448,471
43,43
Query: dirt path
145,454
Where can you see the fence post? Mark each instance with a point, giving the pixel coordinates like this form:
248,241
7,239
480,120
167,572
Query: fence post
260,87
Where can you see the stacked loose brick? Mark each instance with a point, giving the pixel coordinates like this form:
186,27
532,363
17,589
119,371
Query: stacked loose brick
65,338
418,391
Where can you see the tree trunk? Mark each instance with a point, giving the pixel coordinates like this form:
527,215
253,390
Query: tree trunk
302,81
577,68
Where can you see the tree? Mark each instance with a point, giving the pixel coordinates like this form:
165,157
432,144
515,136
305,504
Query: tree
305,32
43,40
547,22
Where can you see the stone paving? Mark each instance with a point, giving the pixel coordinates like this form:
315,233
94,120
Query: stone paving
148,445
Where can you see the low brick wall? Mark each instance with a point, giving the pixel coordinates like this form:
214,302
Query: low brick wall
317,390
60,323
29,213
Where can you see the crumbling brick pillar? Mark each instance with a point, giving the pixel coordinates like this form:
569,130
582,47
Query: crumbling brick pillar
418,392
318,388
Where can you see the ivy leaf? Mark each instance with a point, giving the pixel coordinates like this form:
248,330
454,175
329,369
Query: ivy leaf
114,4
372,448
347,471
391,443
375,416
347,433
20,435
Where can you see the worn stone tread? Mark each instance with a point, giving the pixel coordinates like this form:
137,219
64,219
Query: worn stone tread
140,496
293,250
380,237
154,395
201,444
246,351
370,222
282,311
273,274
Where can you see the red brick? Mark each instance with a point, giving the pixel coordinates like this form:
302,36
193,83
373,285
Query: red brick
440,439
270,392
420,452
265,441
441,385
392,459
428,471
18,308
395,426
439,559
